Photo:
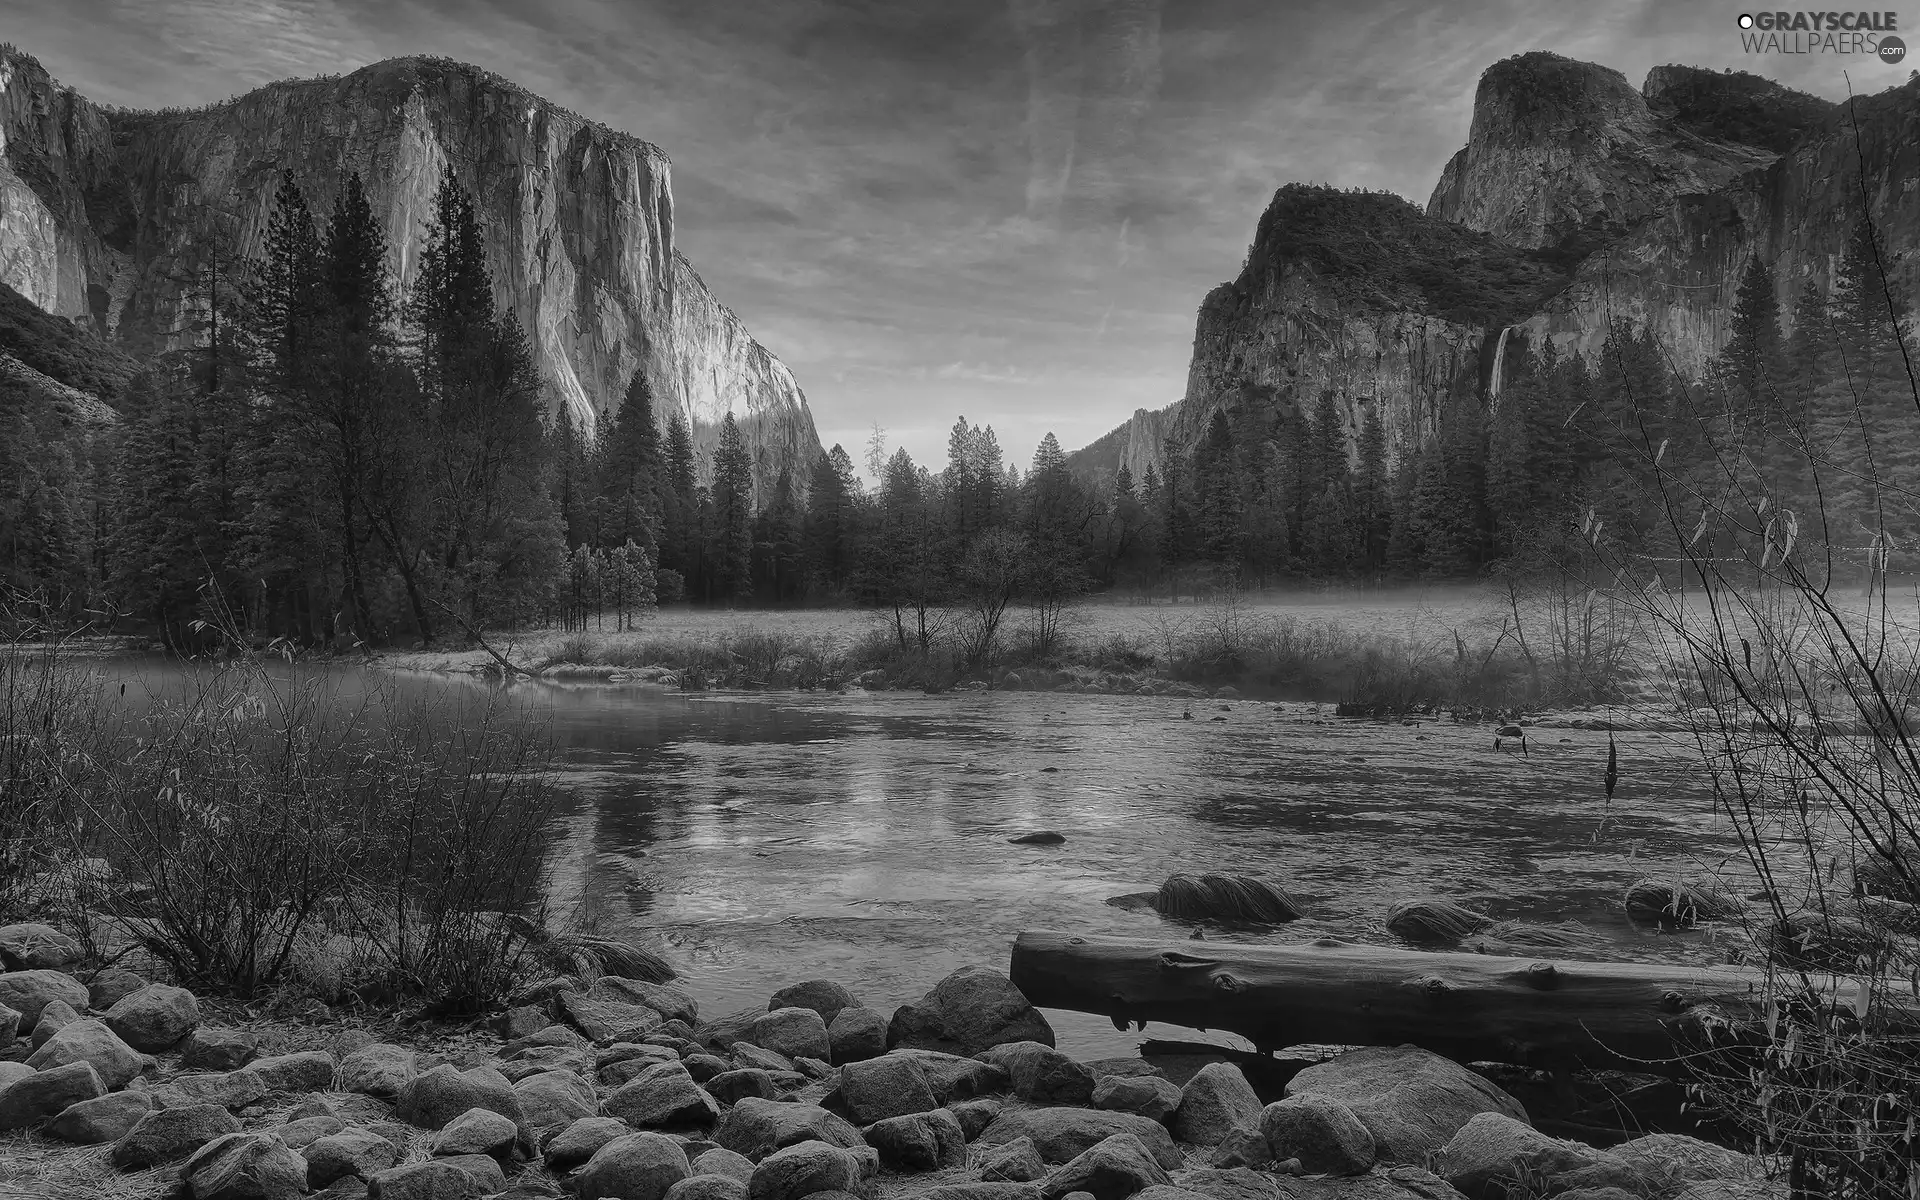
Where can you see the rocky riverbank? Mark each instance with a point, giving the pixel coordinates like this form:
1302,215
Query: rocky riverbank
111,1085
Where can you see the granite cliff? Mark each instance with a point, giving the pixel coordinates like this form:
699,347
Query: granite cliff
101,211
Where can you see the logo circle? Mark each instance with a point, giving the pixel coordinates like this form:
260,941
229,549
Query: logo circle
1892,50
1746,20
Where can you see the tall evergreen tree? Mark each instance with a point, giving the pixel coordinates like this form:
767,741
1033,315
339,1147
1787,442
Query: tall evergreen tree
732,500
632,469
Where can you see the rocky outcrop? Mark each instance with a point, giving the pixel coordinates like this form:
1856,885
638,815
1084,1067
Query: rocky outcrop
1135,445
102,214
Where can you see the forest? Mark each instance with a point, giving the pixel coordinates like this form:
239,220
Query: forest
324,460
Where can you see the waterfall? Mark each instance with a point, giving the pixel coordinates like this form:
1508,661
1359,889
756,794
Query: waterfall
1499,356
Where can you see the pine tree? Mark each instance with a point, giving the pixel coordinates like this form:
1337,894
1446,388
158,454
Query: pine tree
732,500
827,536
1372,491
1217,494
1753,363
631,467
680,541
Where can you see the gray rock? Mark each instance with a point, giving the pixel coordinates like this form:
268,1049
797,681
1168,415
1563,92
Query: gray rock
1111,1169
1737,1189
155,1018
101,1119
9,1026
111,986
748,1055
232,1090
476,1131
821,995
801,1170
722,1033
1411,1100
1241,1149
705,1066
213,1048
356,1152
975,1115
1215,1102
580,1141
729,1086
310,1071
892,1085
1493,1150
246,1166
855,1034
672,1003
166,1134
563,1036
920,1142
1014,1162
550,1058
1321,1132
986,1191
11,1072
1238,1183
34,947
91,1041
48,1093
643,1053
954,1078
380,1070
756,1128
430,1100
663,1097
305,1131
1147,1096
1669,1163
1042,1075
1165,1191
438,1179
484,1170
57,1015
967,1012
554,1099
793,1032
721,1161
1062,1134
522,1020
27,992
708,1187
609,1020
634,1166
347,1187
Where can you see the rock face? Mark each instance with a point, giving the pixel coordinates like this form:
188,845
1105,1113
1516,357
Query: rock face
99,212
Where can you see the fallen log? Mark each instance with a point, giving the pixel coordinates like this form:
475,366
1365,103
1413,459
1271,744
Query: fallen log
1469,1007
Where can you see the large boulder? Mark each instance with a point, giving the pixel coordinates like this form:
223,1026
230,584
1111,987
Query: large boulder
794,1032
57,1015
664,1096
380,1070
1411,1100
1215,1102
476,1131
1149,1096
982,1191
9,1026
607,1021
965,1013
33,947
169,1133
672,1003
723,1032
804,1169
921,1142
756,1128
955,1078
215,1048
708,1187
308,1071
232,1090
436,1179
635,1166
246,1166
1238,1183
890,1086
823,996
353,1151
48,1093
729,1086
580,1141
154,1018
101,1119
1381,1183
1319,1131
1113,1168
91,1041
432,1099
975,1115
1669,1163
1062,1134
27,992
1494,1153
1040,1074
111,986
857,1033
553,1099
721,1161
1015,1162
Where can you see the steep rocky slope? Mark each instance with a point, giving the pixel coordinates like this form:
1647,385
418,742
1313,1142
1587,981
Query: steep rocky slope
102,213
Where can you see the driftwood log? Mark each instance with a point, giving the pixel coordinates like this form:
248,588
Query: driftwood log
1469,1007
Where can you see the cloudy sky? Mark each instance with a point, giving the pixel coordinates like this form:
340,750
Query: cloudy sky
1008,209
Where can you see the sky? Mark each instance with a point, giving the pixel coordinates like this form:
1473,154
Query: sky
1003,209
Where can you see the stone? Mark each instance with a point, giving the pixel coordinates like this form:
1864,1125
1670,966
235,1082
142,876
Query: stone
644,1053
111,986
302,1132
91,1041
729,1086
1061,1134
627,1069
57,1015
9,1026
353,1151
792,1032
708,1187
47,1093
436,1179
34,947
975,1115
664,1096
11,1072
802,1170
1147,1096
485,1171
608,1020
952,1077
1242,1148
214,1048
553,1099
476,1131
309,1071
553,1035
1669,1163
349,1041
154,1018
1492,1150
1737,1189
920,1142
756,1128
1411,1100
746,1054
1113,1168
889,1086
232,1090
552,1058
721,1161
166,1134
27,992
986,1191
1040,1074
672,1003
578,1142
431,1099
1215,1102
1013,1162
1165,1191
246,1166
855,1034
967,1012
1321,1132
347,1187
524,1019
723,1032
823,996
1238,1183
101,1119
705,1066
634,1166
380,1070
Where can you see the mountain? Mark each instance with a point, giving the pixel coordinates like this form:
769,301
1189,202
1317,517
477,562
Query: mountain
104,212
1576,200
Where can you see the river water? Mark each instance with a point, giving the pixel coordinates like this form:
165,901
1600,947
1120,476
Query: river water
767,838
